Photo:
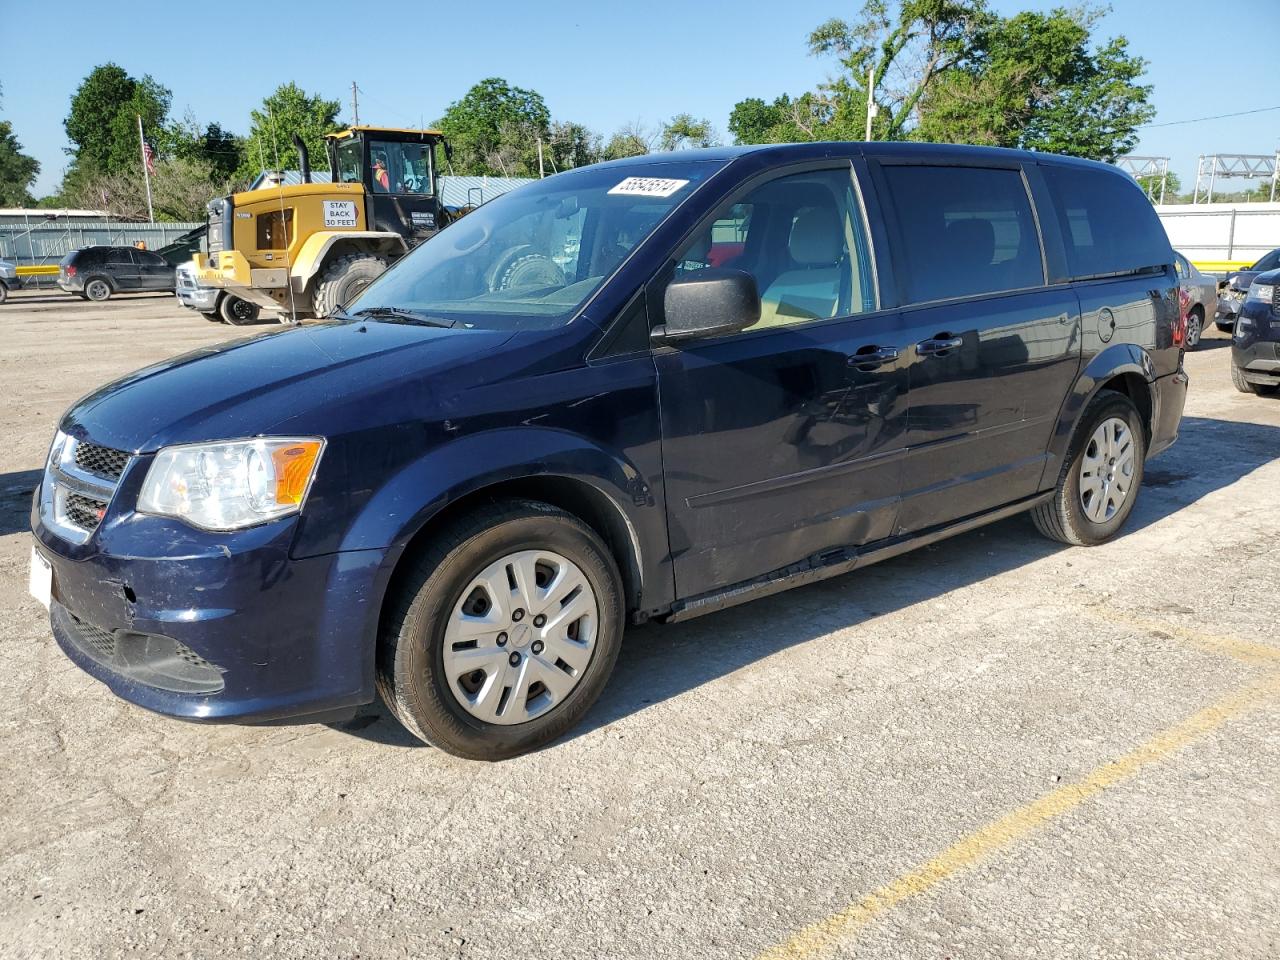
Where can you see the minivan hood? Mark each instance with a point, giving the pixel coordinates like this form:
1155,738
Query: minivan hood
245,387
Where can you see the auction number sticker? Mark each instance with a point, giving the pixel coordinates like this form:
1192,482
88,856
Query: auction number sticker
648,187
339,213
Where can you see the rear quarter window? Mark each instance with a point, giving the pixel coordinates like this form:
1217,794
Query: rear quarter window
1108,224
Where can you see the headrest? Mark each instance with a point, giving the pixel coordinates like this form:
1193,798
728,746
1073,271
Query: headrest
972,242
815,238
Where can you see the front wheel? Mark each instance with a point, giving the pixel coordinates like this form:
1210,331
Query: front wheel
1099,482
1243,385
236,311
503,633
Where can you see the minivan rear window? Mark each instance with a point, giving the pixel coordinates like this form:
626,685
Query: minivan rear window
1109,225
964,231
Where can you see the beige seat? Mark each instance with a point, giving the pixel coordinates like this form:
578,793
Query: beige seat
811,290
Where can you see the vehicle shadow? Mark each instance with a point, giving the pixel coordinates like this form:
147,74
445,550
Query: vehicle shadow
16,490
659,662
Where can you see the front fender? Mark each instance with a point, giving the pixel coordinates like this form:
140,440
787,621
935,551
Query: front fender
1116,360
314,252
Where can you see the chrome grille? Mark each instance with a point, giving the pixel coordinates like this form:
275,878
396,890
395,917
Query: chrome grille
100,461
78,485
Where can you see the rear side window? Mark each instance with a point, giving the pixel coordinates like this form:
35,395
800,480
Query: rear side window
1108,223
119,256
964,231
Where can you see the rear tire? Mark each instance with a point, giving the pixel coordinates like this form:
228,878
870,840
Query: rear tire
1195,327
1088,520
212,316
97,289
237,312
344,279
4,292
444,707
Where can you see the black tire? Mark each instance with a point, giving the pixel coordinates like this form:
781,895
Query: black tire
212,316
1226,326
1241,384
4,291
97,289
410,658
343,279
1195,327
237,312
1062,518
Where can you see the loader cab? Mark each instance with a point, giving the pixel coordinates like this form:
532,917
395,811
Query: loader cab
398,170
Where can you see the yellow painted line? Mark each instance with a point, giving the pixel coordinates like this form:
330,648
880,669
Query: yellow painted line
821,937
1254,654
39,270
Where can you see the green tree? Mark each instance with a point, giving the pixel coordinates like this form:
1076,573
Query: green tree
17,170
220,150
1151,186
289,110
632,140
572,145
494,129
952,71
684,130
103,122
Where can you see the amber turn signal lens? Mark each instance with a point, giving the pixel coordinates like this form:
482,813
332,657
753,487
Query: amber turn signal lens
293,465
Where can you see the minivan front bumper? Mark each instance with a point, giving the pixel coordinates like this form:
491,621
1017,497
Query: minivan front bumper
226,627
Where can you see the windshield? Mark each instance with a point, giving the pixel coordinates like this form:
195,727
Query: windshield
1269,262
532,257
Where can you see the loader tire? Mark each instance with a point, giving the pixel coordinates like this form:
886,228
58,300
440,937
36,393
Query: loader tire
343,279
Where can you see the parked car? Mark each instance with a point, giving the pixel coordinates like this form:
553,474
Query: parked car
215,303
1255,343
1236,286
460,492
1202,291
9,279
95,273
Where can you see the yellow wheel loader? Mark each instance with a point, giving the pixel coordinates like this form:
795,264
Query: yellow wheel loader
307,249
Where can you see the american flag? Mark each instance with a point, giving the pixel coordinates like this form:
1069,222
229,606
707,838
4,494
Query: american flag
149,157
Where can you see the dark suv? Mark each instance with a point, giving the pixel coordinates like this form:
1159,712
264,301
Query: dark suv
95,273
648,389
1255,343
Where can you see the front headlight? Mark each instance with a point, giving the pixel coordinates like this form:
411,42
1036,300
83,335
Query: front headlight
1260,293
232,484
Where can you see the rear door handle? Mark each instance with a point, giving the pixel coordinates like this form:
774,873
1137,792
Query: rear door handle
938,345
870,357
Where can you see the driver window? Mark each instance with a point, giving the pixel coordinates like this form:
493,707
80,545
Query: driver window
802,238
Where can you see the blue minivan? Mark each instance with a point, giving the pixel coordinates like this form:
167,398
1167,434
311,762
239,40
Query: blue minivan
642,390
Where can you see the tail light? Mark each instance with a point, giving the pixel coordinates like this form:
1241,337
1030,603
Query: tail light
71,271
1180,325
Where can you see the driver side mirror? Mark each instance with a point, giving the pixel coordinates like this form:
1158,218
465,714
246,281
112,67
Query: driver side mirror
708,303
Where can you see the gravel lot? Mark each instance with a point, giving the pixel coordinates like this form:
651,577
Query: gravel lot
994,747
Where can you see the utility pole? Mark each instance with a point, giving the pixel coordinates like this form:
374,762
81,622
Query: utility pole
872,109
355,105
541,172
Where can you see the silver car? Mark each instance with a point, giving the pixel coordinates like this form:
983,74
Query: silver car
1203,293
8,279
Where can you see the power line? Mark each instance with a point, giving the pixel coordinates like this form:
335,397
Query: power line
1221,116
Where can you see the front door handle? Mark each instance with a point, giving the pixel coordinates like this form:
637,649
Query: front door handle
870,357
936,346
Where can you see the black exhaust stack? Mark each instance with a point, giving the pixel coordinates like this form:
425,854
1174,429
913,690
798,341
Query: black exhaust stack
304,158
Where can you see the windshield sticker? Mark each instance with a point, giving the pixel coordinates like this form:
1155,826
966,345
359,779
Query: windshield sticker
648,187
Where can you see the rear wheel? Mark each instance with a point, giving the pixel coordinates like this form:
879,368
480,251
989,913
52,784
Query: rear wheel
1099,482
344,279
503,633
97,289
236,311
4,292
1195,327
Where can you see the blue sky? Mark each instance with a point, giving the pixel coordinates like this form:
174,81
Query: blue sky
601,64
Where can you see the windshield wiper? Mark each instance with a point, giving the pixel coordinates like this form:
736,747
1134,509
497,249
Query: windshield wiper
401,315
